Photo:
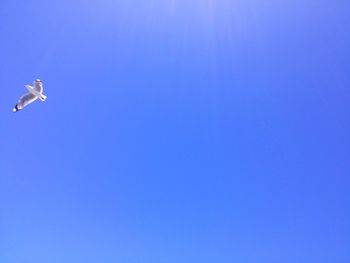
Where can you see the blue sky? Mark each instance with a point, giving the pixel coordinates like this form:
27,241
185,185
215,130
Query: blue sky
175,131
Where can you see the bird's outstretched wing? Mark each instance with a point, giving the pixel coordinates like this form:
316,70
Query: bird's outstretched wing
38,86
24,101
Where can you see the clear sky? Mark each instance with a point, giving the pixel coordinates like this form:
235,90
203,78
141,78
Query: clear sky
176,131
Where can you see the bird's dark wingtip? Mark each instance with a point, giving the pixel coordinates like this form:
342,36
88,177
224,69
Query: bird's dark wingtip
15,109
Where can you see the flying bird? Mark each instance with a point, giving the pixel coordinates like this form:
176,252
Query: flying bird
34,93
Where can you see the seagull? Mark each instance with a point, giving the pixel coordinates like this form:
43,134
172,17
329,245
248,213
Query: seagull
34,93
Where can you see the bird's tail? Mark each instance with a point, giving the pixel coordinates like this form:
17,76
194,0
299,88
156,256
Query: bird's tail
42,97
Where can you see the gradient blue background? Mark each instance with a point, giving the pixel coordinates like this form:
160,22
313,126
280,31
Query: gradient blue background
176,131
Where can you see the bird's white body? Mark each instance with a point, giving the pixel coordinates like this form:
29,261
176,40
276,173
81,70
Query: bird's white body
38,94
